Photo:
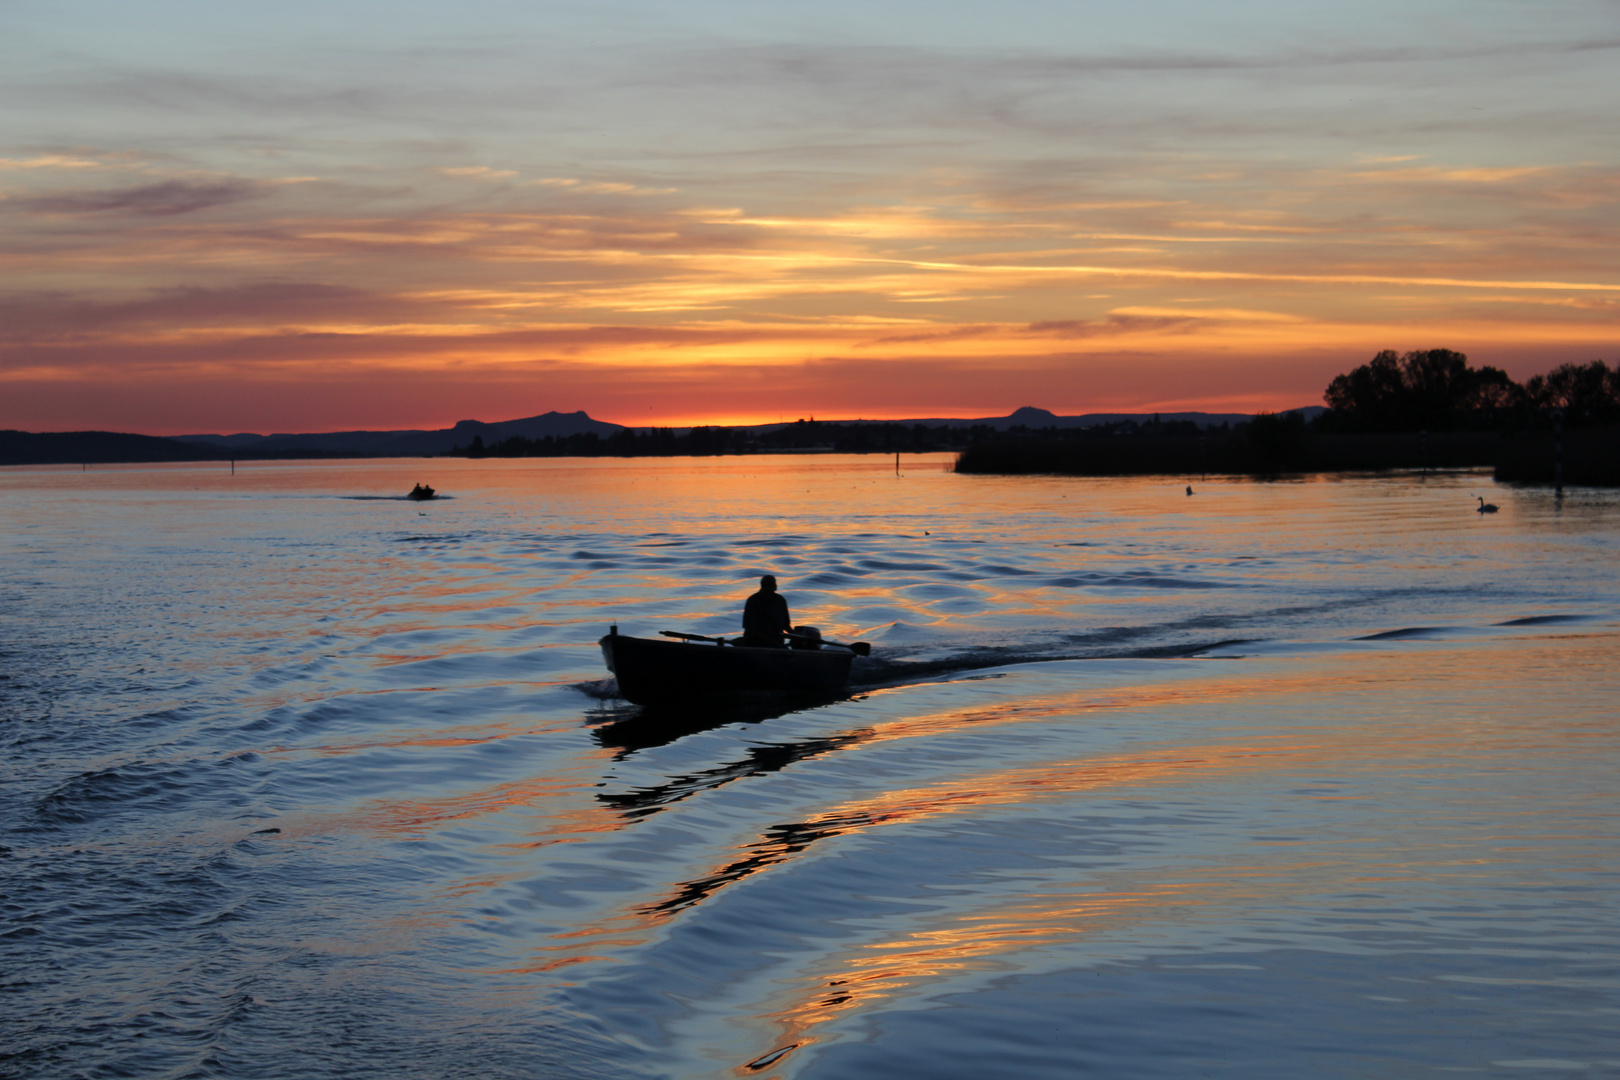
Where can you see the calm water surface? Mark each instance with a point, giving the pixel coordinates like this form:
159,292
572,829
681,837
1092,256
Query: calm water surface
1309,778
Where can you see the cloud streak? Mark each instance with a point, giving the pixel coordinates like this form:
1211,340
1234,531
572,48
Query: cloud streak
166,198
869,210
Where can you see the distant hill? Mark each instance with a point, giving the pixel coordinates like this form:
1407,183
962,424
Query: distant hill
1031,417
100,447
96,448
411,443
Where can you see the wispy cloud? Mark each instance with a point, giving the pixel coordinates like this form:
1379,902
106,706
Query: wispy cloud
42,316
50,161
600,187
166,198
1436,175
869,208
1117,323
476,172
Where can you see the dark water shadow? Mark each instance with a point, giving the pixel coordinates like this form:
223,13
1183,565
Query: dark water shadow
777,844
642,727
759,760
1403,634
1545,620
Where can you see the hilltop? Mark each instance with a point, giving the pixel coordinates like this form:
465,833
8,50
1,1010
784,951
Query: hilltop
408,443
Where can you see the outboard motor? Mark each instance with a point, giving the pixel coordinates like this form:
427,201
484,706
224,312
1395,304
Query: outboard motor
808,638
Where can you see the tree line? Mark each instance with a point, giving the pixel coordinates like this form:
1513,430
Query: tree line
1433,391
1424,409
798,437
1437,390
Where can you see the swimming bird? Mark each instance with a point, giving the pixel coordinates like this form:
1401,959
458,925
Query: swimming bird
1189,489
1485,507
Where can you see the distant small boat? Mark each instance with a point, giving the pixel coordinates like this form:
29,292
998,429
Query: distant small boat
420,492
661,672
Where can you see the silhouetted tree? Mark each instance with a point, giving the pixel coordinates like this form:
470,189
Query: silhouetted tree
1433,389
1494,394
1588,393
1371,395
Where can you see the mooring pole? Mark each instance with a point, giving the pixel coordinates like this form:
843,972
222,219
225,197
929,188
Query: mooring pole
1558,453
1423,451
897,463
233,466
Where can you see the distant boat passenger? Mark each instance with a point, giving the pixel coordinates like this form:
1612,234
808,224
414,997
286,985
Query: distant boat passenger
765,617
420,492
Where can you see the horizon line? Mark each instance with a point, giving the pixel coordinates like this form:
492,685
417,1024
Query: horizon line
739,423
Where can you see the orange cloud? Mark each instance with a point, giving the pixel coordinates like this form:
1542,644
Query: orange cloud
567,283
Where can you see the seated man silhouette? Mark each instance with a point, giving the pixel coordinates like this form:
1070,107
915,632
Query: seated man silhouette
765,617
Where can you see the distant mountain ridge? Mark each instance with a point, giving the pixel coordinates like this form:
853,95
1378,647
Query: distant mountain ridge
1031,417
416,443
97,447
410,443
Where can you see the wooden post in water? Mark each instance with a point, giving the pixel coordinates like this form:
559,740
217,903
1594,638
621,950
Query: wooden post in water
233,466
1423,451
1558,453
897,463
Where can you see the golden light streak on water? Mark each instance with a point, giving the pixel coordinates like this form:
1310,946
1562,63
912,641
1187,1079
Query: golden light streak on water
1005,787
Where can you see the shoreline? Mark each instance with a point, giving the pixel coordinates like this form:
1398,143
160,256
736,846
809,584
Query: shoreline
1590,456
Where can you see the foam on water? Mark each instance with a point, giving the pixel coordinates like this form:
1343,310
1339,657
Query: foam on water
1308,778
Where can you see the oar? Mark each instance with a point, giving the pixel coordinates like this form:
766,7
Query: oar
859,648
694,637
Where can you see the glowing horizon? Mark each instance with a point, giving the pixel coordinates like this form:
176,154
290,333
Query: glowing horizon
395,218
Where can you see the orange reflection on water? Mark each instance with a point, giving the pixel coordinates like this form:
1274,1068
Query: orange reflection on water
1074,703
883,970
561,810
577,818
416,818
441,741
1007,786
1001,787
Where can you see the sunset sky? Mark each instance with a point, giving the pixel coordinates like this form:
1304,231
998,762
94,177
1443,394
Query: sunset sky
310,216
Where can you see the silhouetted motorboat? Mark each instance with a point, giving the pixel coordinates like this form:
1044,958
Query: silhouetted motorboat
653,672
420,492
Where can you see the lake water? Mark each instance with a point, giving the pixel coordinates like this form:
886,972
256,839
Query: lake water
1311,778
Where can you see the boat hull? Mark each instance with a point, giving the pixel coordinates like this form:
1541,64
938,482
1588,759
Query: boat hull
655,672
